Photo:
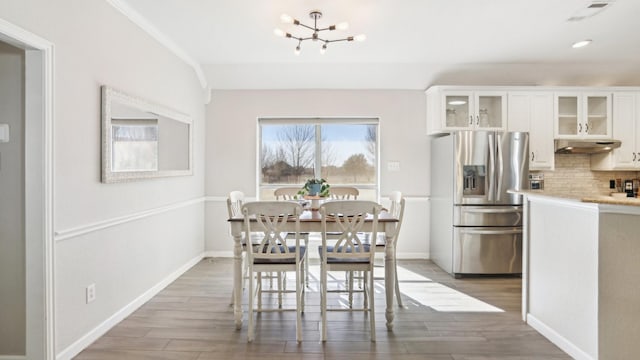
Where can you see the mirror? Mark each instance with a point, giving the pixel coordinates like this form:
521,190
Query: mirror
141,140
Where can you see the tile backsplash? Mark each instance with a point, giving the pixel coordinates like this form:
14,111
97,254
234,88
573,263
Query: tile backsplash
573,176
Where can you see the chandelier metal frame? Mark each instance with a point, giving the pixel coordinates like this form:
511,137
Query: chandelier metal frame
315,36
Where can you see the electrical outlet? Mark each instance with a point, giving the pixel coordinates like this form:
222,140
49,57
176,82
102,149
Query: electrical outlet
393,166
91,293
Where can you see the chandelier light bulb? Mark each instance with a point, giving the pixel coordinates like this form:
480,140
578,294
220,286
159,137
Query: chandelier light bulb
342,26
286,19
323,49
279,32
361,37
297,51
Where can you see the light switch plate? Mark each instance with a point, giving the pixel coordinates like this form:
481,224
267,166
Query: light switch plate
393,166
4,133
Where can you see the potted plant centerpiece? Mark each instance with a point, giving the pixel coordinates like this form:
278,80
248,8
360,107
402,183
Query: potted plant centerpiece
314,189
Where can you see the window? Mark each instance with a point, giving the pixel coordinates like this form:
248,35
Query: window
342,151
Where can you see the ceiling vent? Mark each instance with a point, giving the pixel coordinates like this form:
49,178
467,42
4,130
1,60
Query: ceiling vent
592,9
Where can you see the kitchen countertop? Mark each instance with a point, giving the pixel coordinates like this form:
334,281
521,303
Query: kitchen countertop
612,200
598,199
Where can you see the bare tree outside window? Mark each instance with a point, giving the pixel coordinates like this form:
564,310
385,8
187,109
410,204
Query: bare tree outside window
346,153
371,140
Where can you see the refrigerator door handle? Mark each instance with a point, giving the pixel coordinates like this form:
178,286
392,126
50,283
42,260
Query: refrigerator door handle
491,178
493,210
490,231
500,158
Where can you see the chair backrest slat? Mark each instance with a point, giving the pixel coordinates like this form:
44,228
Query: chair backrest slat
286,193
357,220
266,220
344,193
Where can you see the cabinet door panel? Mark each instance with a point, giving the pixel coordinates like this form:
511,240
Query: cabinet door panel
541,132
458,111
624,129
597,115
568,117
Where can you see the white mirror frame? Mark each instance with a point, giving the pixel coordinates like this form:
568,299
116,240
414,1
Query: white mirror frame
111,95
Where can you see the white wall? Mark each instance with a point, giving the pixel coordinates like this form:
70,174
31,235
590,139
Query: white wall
12,244
231,149
96,45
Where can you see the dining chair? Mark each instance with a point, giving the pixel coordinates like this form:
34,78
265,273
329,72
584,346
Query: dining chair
275,252
348,252
396,209
287,193
291,193
235,200
343,193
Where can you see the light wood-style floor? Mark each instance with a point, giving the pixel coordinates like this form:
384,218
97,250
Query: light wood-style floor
443,319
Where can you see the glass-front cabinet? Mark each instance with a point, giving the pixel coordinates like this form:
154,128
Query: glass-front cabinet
580,115
451,109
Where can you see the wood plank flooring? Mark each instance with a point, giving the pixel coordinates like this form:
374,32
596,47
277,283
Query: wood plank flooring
443,319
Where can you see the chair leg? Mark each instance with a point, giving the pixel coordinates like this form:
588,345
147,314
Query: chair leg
300,281
372,308
365,293
281,288
350,288
398,294
299,301
323,304
258,290
251,295
306,260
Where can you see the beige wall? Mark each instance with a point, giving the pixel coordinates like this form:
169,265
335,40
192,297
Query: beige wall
12,244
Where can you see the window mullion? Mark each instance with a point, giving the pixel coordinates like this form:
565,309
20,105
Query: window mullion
318,153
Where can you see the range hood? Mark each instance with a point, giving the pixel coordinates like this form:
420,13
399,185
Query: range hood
585,146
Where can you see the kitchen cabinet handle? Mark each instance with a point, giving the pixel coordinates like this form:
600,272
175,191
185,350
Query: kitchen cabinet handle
470,119
586,128
579,128
533,156
477,120
634,156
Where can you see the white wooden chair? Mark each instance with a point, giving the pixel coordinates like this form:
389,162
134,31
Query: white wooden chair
235,201
291,193
274,253
396,209
343,193
287,193
348,252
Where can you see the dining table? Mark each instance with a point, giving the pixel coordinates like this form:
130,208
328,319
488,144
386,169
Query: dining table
310,221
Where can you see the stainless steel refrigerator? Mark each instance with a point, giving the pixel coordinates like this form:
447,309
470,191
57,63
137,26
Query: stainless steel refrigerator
476,225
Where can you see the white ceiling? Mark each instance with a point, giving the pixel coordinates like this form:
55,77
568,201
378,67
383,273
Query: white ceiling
411,44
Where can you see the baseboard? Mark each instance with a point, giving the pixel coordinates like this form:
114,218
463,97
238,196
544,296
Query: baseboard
560,341
75,348
13,357
218,254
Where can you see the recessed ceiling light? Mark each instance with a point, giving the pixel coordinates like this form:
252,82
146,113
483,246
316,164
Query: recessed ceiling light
457,102
580,44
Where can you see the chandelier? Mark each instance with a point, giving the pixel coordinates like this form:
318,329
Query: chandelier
315,36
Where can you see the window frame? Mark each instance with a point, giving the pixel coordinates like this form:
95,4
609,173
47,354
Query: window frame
318,122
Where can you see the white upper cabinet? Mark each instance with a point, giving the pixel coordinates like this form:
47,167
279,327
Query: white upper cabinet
582,115
533,112
450,109
626,115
